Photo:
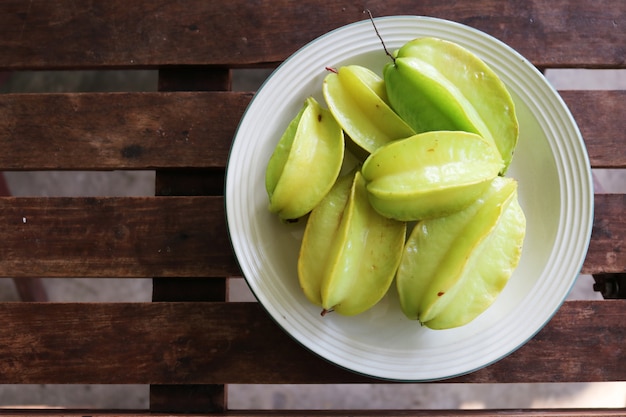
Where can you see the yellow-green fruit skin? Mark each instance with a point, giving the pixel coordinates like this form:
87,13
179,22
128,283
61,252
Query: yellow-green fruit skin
357,98
305,163
454,267
349,253
435,84
431,174
323,227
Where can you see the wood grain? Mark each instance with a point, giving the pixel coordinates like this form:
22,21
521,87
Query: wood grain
144,33
214,343
607,249
115,237
166,130
190,398
118,130
178,237
604,133
188,343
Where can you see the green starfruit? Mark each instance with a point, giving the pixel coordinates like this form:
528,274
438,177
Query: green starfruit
349,252
434,84
357,98
305,163
454,267
430,174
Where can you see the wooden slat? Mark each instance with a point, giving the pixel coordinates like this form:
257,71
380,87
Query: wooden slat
118,131
178,237
604,133
114,237
195,129
181,343
607,251
29,289
208,343
108,33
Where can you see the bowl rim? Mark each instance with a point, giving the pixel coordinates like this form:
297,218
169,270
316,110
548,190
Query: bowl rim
229,184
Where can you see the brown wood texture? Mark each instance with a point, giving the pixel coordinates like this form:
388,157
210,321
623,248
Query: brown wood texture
188,343
169,130
118,130
115,237
29,289
213,343
607,249
144,33
178,237
604,133
190,398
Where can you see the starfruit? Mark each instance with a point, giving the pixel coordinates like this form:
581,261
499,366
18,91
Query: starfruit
357,98
454,267
349,253
430,174
305,163
435,84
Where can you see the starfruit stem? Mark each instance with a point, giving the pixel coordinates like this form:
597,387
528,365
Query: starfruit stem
378,34
326,311
331,69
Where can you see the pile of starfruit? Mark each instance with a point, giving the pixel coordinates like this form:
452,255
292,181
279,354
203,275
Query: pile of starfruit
429,206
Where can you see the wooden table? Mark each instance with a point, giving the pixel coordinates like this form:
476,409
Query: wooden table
189,342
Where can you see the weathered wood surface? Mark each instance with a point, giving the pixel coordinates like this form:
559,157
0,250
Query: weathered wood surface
178,237
181,342
607,252
29,289
195,129
118,130
604,134
115,237
214,343
118,33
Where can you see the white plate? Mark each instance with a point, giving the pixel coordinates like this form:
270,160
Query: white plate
555,190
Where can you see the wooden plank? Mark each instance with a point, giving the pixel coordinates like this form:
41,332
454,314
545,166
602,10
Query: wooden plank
118,130
607,251
115,237
214,343
165,130
109,33
604,132
178,237
29,289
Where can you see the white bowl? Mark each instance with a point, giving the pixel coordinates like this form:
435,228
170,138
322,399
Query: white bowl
555,191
